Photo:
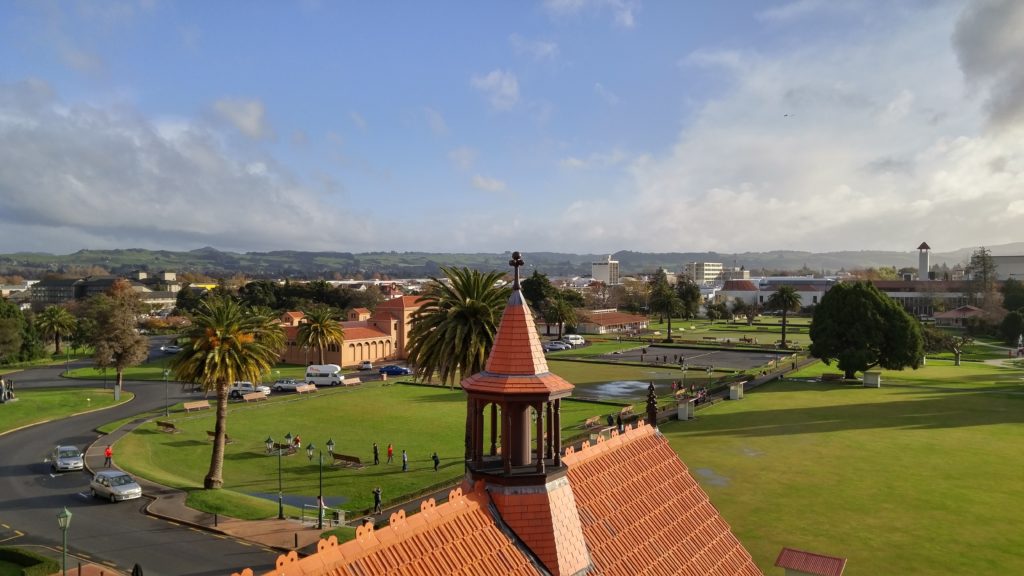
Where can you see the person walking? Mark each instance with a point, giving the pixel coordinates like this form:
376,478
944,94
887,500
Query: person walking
405,461
376,500
391,452
108,456
437,461
376,454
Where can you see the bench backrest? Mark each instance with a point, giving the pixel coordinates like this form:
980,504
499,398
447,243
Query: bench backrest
305,388
344,458
197,405
351,381
254,396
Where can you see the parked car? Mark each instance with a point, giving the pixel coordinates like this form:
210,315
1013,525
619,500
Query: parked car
366,365
242,388
574,340
115,486
553,346
324,374
394,370
65,458
170,349
286,384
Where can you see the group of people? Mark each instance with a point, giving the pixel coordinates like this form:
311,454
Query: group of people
405,457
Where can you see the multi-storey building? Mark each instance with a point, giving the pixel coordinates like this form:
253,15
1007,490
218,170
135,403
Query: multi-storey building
606,272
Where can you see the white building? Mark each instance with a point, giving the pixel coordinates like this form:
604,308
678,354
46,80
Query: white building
703,272
607,271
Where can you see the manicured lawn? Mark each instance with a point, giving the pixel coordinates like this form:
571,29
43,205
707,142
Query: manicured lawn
40,405
420,419
766,329
584,374
154,371
921,476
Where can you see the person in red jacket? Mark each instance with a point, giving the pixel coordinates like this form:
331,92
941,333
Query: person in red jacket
391,453
108,455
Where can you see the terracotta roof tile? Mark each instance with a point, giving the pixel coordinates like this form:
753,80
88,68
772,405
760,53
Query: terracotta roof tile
352,334
613,318
739,286
401,302
810,563
640,507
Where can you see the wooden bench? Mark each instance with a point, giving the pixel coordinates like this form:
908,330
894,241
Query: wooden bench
715,338
286,449
626,411
197,405
351,381
168,427
592,422
305,388
254,396
345,460
831,376
211,435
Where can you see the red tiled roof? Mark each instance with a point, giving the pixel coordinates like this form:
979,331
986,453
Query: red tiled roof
517,364
351,333
967,311
739,286
643,512
457,537
401,302
361,310
810,563
610,318
294,314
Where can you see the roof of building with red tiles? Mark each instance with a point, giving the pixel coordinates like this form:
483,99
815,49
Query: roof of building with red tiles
739,286
612,318
457,537
361,310
516,364
810,562
642,511
966,311
401,302
352,334
294,314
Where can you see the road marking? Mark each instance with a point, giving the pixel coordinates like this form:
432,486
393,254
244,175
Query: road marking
172,522
83,494
85,556
111,564
17,534
242,542
6,527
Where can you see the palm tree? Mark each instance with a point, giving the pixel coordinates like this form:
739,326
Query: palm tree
226,343
321,327
787,299
453,331
56,321
559,311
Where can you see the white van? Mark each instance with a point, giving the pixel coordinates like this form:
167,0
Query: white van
574,339
324,374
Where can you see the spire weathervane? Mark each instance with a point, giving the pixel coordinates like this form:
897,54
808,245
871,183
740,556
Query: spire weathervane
515,263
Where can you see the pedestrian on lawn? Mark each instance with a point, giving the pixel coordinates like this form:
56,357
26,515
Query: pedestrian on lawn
108,456
376,500
376,454
405,461
391,452
437,461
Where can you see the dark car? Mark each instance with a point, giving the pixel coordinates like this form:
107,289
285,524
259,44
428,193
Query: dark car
393,370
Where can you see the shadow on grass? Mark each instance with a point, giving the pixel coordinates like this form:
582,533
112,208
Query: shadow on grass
921,410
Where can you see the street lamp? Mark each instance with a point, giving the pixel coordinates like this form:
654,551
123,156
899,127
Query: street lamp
280,491
167,405
320,498
684,367
64,521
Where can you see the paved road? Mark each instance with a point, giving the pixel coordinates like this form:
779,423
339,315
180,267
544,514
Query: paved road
117,535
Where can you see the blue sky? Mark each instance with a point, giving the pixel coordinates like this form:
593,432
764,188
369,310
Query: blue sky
563,125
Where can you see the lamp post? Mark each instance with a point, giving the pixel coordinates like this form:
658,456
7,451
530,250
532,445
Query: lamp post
280,490
320,497
167,406
684,367
67,361
64,521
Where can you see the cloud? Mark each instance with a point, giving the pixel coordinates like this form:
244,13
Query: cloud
463,157
791,10
501,88
82,61
435,121
623,11
990,48
248,116
536,49
607,95
594,161
358,120
77,176
488,184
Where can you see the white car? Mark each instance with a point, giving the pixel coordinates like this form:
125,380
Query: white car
170,349
242,388
115,486
366,365
64,458
286,384
554,346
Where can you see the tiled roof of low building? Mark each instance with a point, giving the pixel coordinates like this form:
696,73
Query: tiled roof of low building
614,318
961,312
642,512
401,302
739,286
351,334
810,563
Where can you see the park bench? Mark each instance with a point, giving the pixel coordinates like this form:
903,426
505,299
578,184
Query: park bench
748,340
626,411
715,338
197,405
305,388
286,449
592,422
345,460
210,434
831,376
254,396
167,427
351,381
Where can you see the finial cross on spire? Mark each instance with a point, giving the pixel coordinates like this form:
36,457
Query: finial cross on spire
515,263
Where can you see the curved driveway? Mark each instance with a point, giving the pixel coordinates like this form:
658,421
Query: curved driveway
117,535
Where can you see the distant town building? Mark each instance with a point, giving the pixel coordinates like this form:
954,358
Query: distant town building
703,272
607,271
922,261
1009,267
56,291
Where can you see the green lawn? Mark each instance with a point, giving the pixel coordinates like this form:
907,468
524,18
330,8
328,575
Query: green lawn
35,406
922,476
420,419
154,371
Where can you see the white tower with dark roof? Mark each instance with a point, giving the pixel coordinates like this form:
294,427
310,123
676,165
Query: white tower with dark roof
922,261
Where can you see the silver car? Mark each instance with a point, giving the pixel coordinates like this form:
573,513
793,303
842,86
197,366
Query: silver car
65,458
115,486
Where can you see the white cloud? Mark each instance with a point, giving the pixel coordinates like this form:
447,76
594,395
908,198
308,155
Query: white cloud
488,184
358,120
536,49
86,176
607,95
463,157
82,60
623,11
791,10
990,49
435,120
501,88
248,116
594,161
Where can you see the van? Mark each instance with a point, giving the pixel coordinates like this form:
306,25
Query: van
324,374
574,339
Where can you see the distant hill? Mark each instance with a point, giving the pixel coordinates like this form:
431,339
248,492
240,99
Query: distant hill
295,264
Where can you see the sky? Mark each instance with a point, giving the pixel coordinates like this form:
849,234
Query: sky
586,126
